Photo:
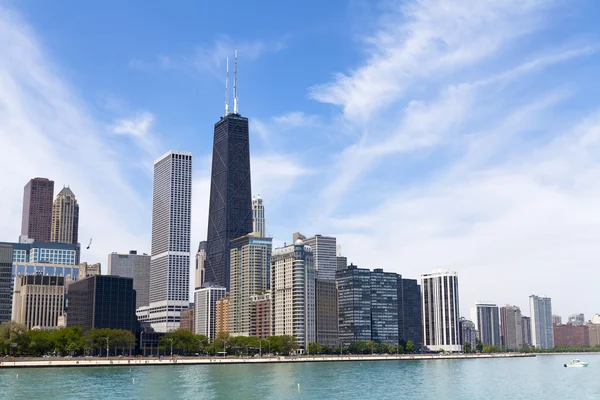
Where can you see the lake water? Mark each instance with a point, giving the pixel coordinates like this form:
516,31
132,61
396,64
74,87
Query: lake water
542,377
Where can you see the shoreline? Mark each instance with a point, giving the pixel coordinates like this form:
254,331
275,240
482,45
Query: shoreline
146,361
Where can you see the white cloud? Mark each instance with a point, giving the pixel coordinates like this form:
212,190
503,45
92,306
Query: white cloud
139,125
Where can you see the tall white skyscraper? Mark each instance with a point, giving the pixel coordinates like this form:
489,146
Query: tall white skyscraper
542,333
487,322
258,216
205,313
441,311
325,255
293,292
170,258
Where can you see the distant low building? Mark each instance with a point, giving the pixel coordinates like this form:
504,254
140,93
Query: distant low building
576,319
86,270
38,301
135,266
556,319
205,313
569,335
594,334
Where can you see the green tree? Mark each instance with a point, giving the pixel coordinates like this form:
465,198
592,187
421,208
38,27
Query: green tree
410,346
68,340
467,347
40,342
13,338
313,348
479,346
358,347
289,344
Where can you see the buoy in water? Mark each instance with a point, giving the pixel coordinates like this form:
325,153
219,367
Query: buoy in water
298,387
133,380
18,374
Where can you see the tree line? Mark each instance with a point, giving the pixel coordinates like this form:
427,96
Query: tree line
16,340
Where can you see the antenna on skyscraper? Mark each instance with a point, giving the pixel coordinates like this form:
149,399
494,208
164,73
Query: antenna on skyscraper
227,88
235,105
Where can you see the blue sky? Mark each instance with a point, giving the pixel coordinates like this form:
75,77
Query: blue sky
424,134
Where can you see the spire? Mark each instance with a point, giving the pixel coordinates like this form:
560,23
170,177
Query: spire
227,89
235,103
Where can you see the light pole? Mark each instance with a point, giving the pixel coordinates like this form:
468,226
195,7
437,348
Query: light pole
171,340
106,338
142,343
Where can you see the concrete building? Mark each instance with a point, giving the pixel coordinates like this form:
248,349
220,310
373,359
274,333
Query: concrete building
258,216
384,306
542,334
468,333
36,221
487,322
187,319
86,270
65,218
570,335
526,329
511,327
410,314
249,275
170,255
596,319
205,313
576,319
200,273
222,318
261,323
135,266
102,301
38,301
341,262
6,262
440,311
326,317
594,334
324,250
293,292
556,319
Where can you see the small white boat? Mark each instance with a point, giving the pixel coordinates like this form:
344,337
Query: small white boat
576,364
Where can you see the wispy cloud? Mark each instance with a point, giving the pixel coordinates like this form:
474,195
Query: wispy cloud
139,125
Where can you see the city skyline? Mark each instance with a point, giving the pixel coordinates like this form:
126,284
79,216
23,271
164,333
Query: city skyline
488,186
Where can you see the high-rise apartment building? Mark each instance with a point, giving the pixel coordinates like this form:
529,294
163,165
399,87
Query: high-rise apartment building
205,314
511,327
594,334
135,266
326,315
37,210
325,254
542,335
468,333
556,319
526,326
230,206
293,292
200,271
170,256
441,311
222,317
6,262
261,323
65,217
250,263
102,301
384,306
258,216
410,314
354,305
487,323
576,319
38,301
570,335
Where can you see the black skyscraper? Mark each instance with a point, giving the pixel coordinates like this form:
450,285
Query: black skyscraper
230,208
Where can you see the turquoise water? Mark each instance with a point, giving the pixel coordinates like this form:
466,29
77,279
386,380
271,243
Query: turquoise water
542,377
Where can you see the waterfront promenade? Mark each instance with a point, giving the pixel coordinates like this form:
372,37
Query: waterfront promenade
134,361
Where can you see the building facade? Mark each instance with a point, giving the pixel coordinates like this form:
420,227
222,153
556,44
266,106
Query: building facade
102,301
526,326
410,315
354,305
230,205
222,319
6,262
569,335
86,270
38,301
170,255
577,319
205,313
187,319
542,334
135,266
326,313
325,255
594,334
65,218
341,262
487,323
199,273
556,319
293,292
441,311
37,210
261,323
384,306
468,333
250,263
511,327
258,216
